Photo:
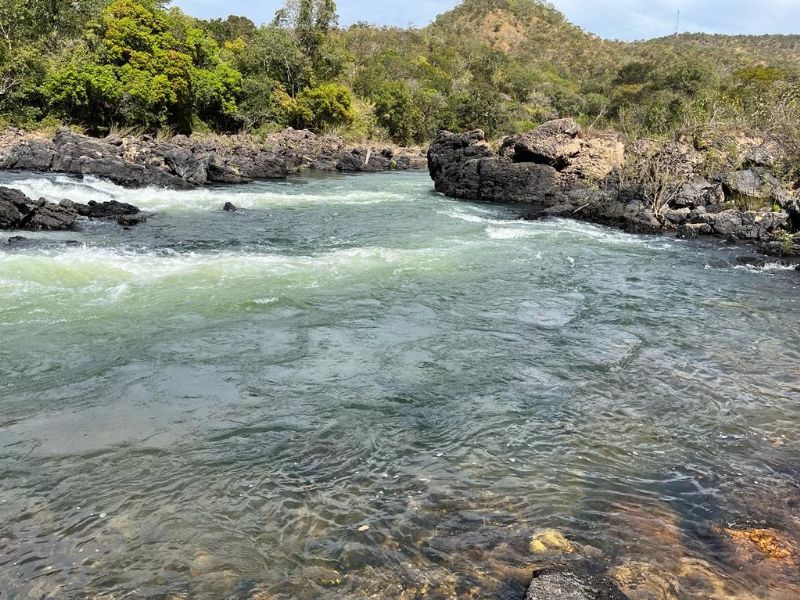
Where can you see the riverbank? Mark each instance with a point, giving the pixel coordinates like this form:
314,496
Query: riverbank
183,162
687,187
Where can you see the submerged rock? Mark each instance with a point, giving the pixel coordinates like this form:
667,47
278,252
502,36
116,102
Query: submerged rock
768,543
131,220
229,207
550,540
751,261
568,585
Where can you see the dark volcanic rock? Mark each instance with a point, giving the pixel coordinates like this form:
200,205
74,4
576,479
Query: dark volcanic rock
107,210
17,211
11,201
365,160
554,144
755,183
566,585
746,225
698,192
82,155
184,162
48,216
453,163
652,187
220,171
132,219
229,207
31,155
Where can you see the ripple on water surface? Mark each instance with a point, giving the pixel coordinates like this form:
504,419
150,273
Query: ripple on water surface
357,388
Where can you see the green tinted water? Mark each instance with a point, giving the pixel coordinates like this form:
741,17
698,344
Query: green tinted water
219,405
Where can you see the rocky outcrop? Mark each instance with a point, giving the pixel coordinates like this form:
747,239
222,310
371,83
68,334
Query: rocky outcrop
17,211
646,187
559,144
184,162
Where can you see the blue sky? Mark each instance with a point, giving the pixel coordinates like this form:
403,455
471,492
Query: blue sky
619,19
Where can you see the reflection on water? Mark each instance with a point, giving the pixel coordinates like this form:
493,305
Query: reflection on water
355,388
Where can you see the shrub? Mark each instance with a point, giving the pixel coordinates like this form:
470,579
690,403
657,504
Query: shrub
325,106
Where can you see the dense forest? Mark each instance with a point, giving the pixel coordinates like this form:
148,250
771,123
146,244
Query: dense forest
501,65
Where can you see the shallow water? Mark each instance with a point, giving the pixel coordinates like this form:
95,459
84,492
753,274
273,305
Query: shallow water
355,388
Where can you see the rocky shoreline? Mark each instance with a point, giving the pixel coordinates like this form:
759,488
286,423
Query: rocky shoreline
642,187
178,163
186,162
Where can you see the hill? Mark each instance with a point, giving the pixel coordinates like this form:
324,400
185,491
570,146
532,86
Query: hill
500,65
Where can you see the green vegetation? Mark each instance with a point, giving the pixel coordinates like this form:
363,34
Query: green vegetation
501,65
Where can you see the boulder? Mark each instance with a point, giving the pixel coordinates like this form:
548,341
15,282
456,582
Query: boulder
791,204
365,160
220,171
453,163
767,154
186,164
12,205
49,217
698,192
599,156
106,210
17,211
746,225
30,155
559,144
258,164
553,143
757,183
229,207
132,219
678,216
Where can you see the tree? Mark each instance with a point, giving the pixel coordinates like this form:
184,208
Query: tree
231,29
397,111
325,106
274,54
310,20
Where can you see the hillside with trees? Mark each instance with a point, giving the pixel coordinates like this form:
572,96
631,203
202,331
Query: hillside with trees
500,65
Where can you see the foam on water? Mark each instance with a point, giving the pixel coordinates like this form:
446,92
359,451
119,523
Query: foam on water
248,196
553,228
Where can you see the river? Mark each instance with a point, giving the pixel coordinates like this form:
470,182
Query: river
353,387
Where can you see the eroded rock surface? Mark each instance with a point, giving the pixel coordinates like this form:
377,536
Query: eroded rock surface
184,162
645,187
17,211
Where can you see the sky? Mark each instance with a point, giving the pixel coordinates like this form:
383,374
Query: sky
614,19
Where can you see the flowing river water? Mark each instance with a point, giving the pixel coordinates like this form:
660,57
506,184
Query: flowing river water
356,388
